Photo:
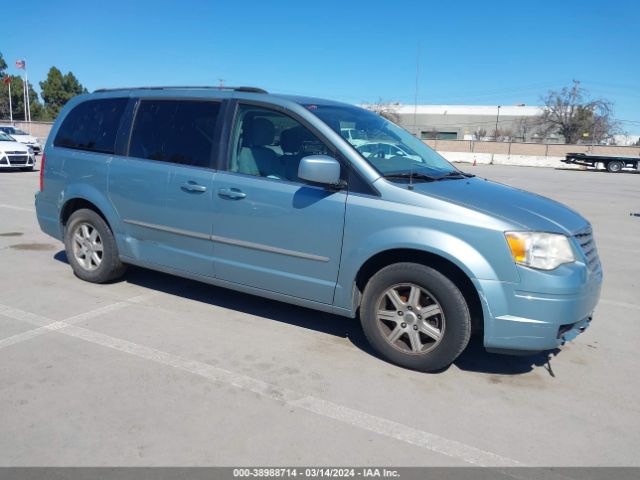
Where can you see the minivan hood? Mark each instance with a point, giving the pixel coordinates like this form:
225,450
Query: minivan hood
524,209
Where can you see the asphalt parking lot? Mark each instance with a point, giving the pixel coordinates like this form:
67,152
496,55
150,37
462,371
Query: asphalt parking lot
158,370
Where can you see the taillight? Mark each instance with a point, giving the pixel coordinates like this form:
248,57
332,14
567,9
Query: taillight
42,172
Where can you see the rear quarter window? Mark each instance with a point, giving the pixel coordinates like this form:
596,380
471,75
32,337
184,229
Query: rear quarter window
92,125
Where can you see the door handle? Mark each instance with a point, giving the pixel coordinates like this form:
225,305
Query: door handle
193,187
233,193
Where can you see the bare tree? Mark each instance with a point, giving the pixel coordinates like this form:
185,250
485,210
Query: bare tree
480,133
525,127
386,110
503,135
573,115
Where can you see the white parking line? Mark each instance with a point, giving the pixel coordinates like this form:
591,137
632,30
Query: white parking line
341,413
21,337
13,207
398,431
46,325
23,316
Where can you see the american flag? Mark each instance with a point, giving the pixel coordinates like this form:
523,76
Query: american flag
21,64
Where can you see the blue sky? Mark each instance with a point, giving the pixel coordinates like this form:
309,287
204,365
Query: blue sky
471,52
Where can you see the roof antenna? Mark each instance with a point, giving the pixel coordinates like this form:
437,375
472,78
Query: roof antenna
415,98
410,186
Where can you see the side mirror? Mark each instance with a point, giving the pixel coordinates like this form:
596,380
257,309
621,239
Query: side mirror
320,169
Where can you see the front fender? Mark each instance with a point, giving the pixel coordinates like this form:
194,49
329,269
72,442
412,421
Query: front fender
450,247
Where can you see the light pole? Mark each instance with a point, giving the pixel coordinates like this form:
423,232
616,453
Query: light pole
415,98
495,133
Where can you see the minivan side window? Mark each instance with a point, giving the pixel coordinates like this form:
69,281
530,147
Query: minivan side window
177,131
92,125
270,144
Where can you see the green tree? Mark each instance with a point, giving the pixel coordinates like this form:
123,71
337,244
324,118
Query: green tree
3,65
17,100
58,89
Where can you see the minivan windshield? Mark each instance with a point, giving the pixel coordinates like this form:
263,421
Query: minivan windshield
391,150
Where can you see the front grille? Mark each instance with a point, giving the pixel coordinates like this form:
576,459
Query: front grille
18,159
588,245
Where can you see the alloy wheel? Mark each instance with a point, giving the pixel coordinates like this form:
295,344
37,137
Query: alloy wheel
87,246
410,318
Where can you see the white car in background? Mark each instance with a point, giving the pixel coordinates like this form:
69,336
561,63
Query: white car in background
353,136
15,154
386,150
22,137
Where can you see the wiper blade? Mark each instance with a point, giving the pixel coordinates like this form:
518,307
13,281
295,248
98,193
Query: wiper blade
455,175
410,176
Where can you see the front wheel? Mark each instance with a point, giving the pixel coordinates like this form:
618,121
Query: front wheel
415,317
91,248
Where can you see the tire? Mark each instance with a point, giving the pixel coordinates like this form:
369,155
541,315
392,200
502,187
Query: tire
615,166
429,303
87,234
27,169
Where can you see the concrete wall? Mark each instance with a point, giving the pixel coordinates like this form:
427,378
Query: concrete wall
502,159
523,154
531,149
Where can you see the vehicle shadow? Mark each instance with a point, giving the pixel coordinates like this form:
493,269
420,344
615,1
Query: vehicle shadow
475,358
328,323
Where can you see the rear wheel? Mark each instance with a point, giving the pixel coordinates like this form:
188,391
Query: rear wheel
91,248
415,317
615,166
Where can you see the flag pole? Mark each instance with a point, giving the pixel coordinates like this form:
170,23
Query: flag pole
10,106
24,99
22,64
26,86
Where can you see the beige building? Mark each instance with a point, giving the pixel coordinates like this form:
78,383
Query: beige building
474,122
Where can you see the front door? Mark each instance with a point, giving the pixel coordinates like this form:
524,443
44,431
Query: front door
272,230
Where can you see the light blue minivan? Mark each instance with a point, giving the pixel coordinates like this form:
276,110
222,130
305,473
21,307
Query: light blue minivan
265,194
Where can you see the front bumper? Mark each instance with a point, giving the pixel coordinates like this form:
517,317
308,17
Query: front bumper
17,161
543,311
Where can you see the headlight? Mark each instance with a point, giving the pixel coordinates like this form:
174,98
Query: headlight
30,150
544,251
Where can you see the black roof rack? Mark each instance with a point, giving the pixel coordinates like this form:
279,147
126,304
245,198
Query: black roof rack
191,87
